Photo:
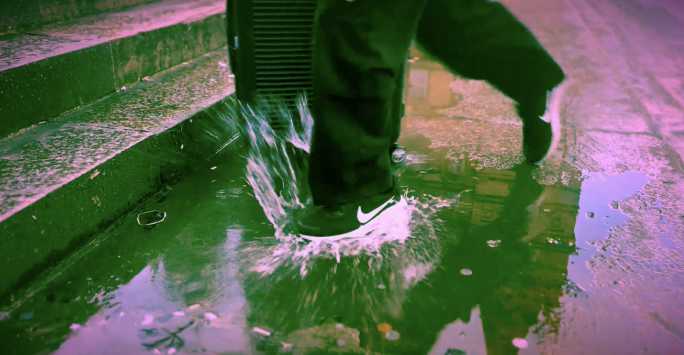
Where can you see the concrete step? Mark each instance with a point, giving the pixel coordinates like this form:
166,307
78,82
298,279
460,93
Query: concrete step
64,180
62,66
24,15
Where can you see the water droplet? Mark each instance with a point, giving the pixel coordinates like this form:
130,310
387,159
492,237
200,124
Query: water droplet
398,156
261,331
493,243
148,319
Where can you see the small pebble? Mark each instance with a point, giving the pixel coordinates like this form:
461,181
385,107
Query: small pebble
194,307
286,347
520,343
466,272
74,327
384,327
156,351
171,351
392,335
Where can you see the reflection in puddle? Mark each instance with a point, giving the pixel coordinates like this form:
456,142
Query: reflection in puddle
502,249
489,265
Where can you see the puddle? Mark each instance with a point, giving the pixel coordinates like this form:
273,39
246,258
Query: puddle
495,262
190,284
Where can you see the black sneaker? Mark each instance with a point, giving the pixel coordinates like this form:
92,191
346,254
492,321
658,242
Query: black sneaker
345,221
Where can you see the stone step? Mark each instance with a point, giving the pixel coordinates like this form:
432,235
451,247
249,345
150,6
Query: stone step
16,16
58,67
64,180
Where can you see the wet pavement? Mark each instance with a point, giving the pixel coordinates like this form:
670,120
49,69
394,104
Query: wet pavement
580,255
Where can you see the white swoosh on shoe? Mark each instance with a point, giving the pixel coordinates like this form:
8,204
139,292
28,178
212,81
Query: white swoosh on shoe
363,218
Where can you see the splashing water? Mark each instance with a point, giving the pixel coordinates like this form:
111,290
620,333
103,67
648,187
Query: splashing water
276,170
410,238
275,161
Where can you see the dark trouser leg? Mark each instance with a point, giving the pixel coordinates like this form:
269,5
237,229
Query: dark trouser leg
481,39
360,49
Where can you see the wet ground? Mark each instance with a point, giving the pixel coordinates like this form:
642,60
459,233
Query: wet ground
580,255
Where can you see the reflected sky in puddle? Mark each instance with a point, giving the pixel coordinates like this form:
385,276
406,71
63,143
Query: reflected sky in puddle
506,266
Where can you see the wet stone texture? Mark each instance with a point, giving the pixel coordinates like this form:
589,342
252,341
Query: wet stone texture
95,56
580,255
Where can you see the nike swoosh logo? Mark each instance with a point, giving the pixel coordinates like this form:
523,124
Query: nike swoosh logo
365,217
